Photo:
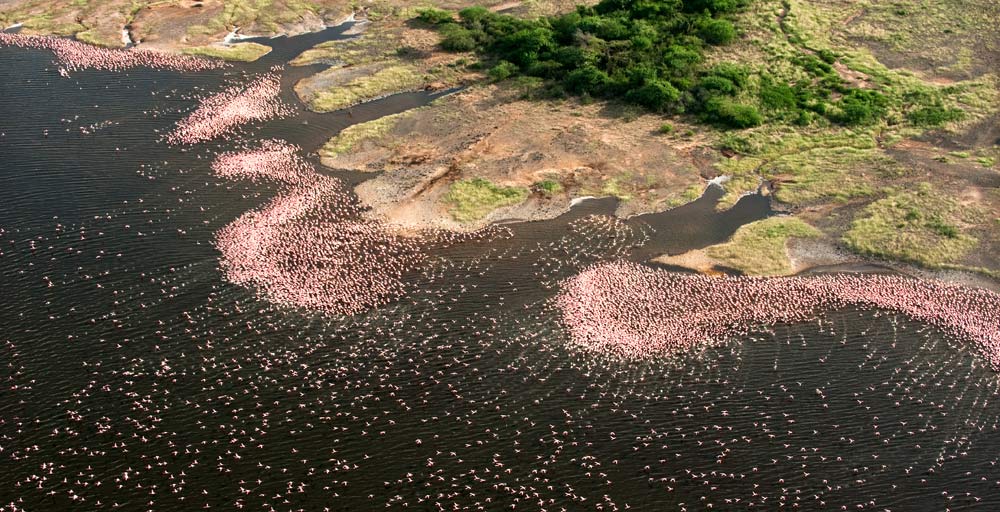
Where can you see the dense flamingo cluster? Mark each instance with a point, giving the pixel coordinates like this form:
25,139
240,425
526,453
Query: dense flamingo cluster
307,249
635,311
274,160
223,112
310,247
76,56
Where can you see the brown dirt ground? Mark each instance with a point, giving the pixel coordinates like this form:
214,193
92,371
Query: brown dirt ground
487,132
166,23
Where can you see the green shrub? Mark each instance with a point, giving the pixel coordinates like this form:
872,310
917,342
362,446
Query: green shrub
934,116
502,71
861,106
939,226
681,60
457,39
735,73
739,144
546,69
717,32
712,6
587,79
728,113
657,95
718,84
434,16
815,65
666,128
777,96
548,187
477,14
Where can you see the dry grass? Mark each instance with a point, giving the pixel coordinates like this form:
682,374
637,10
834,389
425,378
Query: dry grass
241,52
917,226
472,200
385,81
760,248
353,135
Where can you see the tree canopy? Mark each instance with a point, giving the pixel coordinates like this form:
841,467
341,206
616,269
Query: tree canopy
650,53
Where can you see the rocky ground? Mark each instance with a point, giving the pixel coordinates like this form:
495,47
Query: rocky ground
554,150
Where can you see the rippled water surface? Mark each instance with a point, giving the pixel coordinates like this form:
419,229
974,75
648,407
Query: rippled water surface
136,378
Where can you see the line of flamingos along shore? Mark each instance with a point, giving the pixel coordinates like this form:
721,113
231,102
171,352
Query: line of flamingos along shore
311,247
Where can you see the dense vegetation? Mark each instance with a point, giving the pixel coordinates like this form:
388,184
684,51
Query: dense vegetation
651,53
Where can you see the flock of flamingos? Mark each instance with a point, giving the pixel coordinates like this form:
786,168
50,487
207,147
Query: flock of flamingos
312,246
635,311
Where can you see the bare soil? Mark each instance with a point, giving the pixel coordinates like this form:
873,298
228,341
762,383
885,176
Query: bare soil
487,132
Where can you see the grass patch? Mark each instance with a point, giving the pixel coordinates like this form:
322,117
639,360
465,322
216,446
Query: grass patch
759,248
688,195
43,24
548,187
351,136
97,39
386,81
376,44
916,226
623,185
241,52
616,187
825,174
472,200
811,165
257,15
940,32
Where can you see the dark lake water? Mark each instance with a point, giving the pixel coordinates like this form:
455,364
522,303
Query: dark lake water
136,378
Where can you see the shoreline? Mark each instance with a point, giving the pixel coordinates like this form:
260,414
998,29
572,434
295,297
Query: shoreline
425,211
817,257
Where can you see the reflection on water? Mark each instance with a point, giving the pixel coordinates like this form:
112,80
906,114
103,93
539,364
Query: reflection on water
136,378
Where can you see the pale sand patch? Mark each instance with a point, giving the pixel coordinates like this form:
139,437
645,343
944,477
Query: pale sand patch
807,253
696,260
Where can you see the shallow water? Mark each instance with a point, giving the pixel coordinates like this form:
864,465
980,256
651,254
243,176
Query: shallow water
136,378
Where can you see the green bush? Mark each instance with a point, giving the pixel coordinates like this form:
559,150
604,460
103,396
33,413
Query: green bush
934,116
587,79
457,39
728,113
502,71
548,187
546,69
666,128
861,106
735,73
477,14
717,85
718,32
434,16
713,6
777,96
657,95
815,65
